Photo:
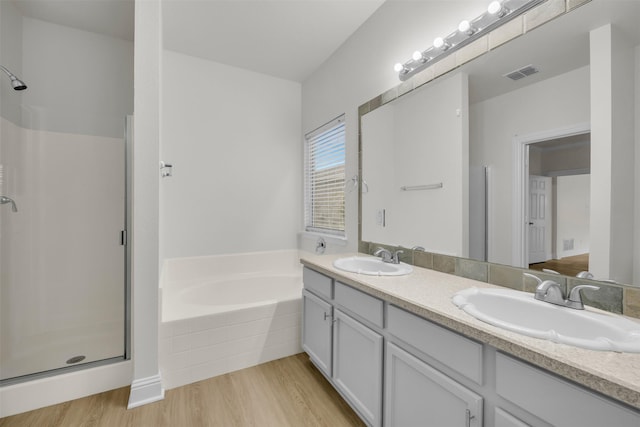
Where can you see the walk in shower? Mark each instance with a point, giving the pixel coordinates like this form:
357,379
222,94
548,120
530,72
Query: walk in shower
65,91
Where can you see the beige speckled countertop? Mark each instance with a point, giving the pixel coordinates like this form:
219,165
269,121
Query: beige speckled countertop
428,293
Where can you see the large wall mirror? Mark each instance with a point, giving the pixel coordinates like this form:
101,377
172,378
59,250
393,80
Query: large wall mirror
535,169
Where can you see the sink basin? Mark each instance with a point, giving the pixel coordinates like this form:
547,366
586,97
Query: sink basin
371,266
519,312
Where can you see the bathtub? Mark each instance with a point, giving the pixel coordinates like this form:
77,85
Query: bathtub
228,312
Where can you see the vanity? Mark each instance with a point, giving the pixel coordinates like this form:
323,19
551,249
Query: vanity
402,354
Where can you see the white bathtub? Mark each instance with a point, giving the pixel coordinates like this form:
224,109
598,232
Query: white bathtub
228,312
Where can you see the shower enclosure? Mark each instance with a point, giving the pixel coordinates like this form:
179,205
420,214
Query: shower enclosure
64,96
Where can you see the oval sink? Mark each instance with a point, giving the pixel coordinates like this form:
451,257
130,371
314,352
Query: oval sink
519,312
371,266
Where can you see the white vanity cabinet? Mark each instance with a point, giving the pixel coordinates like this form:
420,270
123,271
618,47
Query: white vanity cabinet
432,375
416,394
346,351
557,401
357,366
317,331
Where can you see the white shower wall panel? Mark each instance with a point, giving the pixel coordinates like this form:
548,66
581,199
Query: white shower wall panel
62,269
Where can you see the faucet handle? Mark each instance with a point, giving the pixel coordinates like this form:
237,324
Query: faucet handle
575,298
384,254
534,277
396,256
549,291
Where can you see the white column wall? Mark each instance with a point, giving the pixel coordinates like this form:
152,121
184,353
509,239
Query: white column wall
146,386
612,107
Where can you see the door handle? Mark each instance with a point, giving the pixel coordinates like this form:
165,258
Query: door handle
468,417
4,200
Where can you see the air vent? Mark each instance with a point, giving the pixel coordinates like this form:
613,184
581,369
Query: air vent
521,73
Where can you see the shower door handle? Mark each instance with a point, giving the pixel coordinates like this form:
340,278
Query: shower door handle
4,200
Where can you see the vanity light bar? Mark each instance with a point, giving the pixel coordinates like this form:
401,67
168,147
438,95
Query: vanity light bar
498,13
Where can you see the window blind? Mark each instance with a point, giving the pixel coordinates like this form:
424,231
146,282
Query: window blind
325,177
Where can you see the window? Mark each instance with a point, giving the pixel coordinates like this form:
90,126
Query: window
324,178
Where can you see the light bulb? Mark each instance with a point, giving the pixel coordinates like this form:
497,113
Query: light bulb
439,43
464,26
496,8
417,55
398,67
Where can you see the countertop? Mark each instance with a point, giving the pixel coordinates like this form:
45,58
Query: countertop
428,293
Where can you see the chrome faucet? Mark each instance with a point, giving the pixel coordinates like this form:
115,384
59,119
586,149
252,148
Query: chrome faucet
384,254
575,298
387,256
4,200
549,291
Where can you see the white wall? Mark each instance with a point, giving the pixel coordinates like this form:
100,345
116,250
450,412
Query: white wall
428,144
636,120
572,213
495,122
78,81
363,68
11,58
234,140
145,272
612,151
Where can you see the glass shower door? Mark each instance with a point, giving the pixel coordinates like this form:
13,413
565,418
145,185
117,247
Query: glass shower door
62,258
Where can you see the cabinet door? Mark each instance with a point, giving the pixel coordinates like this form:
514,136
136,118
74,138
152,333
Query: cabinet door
418,395
317,328
357,366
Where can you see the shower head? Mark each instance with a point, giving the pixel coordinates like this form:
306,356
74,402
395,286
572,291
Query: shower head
16,83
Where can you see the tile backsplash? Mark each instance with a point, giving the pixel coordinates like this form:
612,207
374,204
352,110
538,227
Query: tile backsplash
621,299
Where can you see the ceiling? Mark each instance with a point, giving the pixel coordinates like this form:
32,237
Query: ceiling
288,39
110,17
558,47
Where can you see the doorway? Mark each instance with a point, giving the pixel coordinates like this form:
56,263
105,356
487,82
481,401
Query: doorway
551,210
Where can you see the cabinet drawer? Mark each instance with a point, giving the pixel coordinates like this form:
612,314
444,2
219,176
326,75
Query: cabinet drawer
365,306
318,283
555,400
505,419
455,351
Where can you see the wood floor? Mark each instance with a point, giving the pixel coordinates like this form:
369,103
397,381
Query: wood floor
282,393
569,266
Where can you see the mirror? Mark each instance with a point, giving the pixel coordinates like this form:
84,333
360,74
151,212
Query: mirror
536,170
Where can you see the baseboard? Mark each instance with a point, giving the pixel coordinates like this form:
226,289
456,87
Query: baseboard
145,390
30,395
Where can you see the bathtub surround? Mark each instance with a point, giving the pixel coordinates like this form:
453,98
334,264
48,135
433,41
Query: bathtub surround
228,312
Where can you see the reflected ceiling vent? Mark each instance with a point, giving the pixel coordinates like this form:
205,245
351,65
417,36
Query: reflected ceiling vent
521,73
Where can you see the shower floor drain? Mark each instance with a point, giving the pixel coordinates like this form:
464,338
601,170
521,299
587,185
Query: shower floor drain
75,359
